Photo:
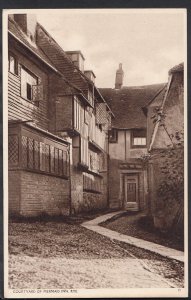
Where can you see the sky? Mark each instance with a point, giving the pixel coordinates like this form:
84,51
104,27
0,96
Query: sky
147,42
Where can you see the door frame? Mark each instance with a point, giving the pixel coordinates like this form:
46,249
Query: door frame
123,173
142,187
133,204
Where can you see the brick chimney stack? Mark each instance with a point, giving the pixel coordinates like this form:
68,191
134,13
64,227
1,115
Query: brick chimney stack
27,23
119,77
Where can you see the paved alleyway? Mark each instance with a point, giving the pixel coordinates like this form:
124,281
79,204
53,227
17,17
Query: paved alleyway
59,255
138,242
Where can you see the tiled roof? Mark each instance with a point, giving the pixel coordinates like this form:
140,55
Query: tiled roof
127,103
63,63
21,36
60,59
177,68
158,97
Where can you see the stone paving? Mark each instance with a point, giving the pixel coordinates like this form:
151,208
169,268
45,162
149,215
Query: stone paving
153,247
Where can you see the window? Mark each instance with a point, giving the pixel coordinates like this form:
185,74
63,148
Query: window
91,97
84,154
139,138
91,183
44,157
101,113
78,115
30,89
13,64
94,162
113,136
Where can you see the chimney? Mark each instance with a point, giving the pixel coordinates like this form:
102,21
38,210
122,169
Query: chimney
77,59
90,74
27,23
119,77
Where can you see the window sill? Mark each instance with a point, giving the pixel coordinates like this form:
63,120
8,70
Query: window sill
34,104
91,191
138,147
95,146
94,173
18,168
83,167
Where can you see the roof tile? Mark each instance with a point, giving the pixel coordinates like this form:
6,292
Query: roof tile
127,103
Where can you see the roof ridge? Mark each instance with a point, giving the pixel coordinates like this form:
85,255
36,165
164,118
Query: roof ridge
64,53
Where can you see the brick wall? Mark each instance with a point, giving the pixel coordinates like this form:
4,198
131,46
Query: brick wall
38,194
93,201
14,191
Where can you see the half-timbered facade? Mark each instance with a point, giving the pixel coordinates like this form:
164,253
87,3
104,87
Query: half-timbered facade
128,178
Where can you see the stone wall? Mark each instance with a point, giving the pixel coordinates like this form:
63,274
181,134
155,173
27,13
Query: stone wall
166,190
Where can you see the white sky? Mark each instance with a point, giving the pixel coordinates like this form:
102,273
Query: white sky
148,44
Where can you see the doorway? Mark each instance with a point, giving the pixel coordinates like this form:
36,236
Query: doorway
131,182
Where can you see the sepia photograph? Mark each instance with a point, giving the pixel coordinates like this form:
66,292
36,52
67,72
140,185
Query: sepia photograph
95,153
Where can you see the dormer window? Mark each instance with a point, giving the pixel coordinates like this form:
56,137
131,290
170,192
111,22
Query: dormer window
138,138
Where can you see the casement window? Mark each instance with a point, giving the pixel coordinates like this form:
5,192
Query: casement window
13,64
113,136
37,156
90,95
103,162
44,157
78,114
87,115
138,138
84,153
101,114
92,183
94,163
30,89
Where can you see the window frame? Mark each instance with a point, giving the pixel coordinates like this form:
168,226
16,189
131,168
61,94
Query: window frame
143,134
10,54
114,137
36,103
35,152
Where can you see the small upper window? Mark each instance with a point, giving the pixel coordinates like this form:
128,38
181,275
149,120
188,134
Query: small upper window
139,138
90,97
28,81
113,135
139,141
12,64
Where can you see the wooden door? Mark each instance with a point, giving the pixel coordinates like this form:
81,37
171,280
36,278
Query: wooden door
131,192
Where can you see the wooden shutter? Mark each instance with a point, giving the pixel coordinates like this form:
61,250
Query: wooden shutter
37,92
